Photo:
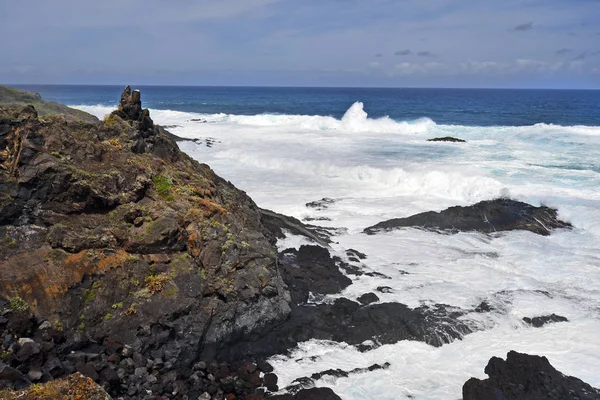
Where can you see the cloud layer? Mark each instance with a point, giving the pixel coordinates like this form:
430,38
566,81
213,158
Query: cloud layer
514,43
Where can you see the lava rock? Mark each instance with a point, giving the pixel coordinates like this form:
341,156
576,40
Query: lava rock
368,298
526,377
311,269
322,204
538,322
486,216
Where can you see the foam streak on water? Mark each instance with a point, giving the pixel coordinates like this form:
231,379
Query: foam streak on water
377,169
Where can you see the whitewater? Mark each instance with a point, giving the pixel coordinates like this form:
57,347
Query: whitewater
379,168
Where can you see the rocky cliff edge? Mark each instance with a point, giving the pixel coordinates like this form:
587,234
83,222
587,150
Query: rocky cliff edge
108,230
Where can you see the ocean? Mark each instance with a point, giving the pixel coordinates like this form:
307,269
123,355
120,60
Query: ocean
366,149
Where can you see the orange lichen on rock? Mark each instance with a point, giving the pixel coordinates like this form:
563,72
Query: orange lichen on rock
210,208
42,282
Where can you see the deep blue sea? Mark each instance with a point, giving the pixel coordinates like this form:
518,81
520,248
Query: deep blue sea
471,107
368,151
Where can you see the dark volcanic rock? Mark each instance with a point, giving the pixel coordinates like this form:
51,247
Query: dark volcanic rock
526,377
486,216
368,298
446,139
346,321
278,223
309,394
311,269
129,248
538,322
338,373
322,204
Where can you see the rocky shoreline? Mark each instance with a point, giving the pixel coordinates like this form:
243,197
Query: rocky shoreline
128,262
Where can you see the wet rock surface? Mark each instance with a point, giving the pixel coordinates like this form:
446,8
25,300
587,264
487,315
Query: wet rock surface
310,394
538,322
311,269
486,216
322,204
278,224
526,377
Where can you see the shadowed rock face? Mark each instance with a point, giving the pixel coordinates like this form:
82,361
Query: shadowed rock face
526,377
109,230
486,216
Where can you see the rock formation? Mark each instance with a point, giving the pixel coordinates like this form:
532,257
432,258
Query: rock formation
486,216
117,239
526,377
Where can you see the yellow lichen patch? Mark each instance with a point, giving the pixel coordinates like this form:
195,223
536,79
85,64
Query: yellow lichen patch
73,387
116,143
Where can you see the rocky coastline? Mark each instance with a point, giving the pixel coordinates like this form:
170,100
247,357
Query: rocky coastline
125,261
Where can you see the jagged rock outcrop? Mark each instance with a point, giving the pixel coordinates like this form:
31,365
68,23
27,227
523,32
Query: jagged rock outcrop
486,216
110,232
526,377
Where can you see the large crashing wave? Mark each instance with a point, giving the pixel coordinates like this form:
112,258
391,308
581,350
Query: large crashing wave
354,120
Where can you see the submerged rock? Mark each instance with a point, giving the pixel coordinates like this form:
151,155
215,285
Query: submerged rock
526,377
486,216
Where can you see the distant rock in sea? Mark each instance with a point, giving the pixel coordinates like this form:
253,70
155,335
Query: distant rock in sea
486,216
447,139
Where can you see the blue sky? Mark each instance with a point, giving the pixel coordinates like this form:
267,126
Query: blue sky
388,43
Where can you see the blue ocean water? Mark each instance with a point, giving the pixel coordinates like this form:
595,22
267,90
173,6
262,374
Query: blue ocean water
468,107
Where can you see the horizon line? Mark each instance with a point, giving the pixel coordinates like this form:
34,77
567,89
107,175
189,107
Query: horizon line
298,87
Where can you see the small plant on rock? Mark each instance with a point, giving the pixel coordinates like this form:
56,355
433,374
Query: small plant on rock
156,283
18,304
162,185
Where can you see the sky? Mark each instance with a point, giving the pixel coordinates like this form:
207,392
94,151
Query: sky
380,43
